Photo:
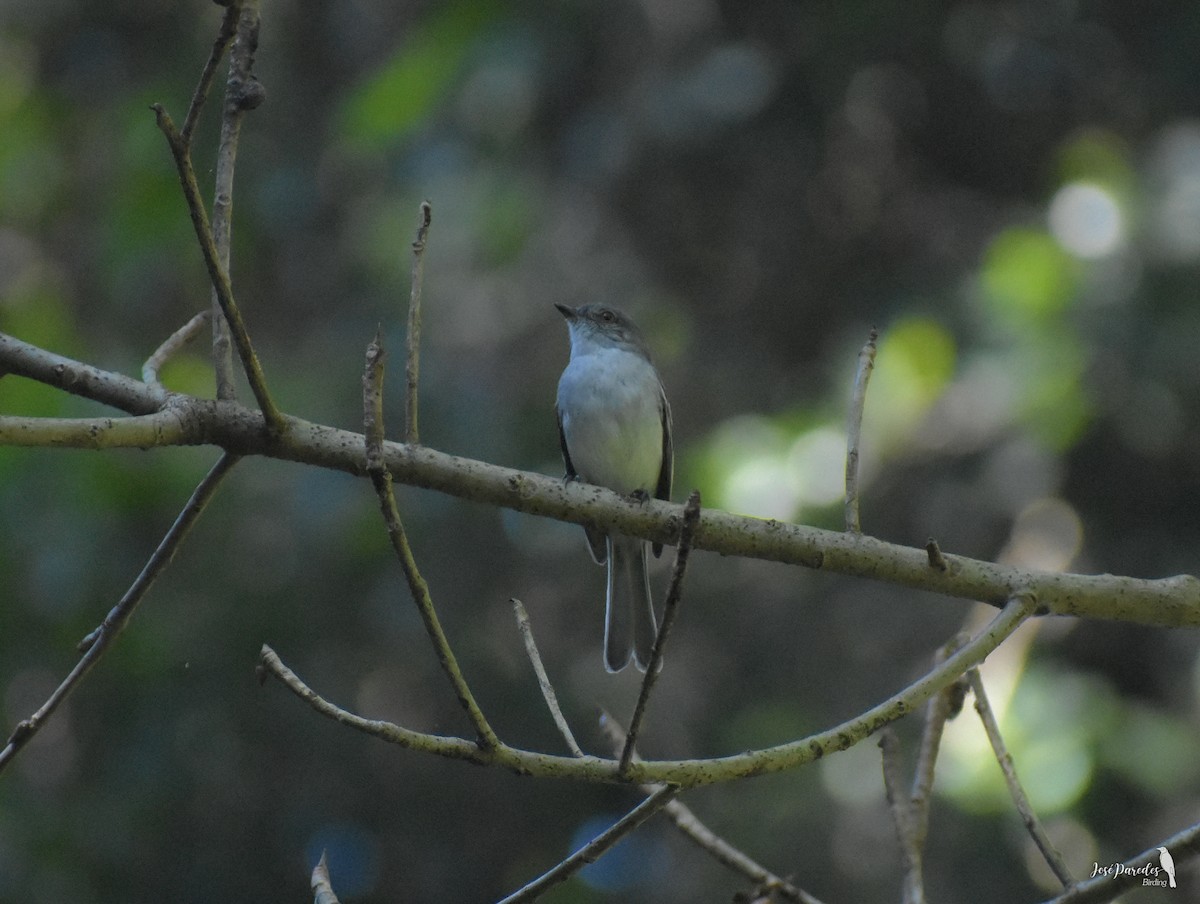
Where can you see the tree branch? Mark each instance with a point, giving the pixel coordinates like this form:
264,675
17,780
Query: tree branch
721,850
218,274
691,517
382,480
858,399
592,851
95,644
1183,845
685,773
1163,602
535,659
243,92
412,366
1034,825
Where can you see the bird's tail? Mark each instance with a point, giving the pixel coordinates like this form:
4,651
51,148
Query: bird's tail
629,613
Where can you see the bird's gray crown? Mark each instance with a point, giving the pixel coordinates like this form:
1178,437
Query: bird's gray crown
603,325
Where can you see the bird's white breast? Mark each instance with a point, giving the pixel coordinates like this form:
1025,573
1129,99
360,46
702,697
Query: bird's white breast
609,401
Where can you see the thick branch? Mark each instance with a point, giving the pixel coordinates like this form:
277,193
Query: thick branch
1165,602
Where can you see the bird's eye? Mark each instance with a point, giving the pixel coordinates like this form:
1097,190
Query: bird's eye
608,316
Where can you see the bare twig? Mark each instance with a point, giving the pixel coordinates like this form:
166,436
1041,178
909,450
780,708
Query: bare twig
412,367
858,398
171,346
547,688
200,95
911,814
691,826
1183,845
691,517
382,479
592,851
99,640
243,92
217,273
322,888
1034,825
903,818
942,706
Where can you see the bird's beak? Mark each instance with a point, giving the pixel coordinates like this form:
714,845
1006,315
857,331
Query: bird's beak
568,312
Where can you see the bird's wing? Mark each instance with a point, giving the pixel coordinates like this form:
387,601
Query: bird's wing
562,442
597,539
666,472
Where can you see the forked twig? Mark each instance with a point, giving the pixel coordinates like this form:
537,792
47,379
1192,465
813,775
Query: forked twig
200,95
592,851
691,518
910,812
217,273
243,93
412,366
547,688
1034,825
941,707
903,817
858,398
99,640
382,480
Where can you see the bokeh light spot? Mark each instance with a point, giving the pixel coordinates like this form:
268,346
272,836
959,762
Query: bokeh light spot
1086,220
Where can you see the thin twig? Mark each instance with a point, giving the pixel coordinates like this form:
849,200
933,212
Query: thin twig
942,706
412,367
911,816
547,688
858,398
243,92
691,826
683,550
382,480
1034,825
217,273
323,892
1184,845
903,818
224,36
171,346
98,641
592,851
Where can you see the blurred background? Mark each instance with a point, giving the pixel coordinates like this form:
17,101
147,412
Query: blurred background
1009,191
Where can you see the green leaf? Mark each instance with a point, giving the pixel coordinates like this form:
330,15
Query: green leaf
397,99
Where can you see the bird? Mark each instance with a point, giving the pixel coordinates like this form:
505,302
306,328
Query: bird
614,427
1168,863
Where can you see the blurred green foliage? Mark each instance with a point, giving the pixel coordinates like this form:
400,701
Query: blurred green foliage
1007,192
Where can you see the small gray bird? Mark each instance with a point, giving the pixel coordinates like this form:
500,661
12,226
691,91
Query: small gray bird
614,425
